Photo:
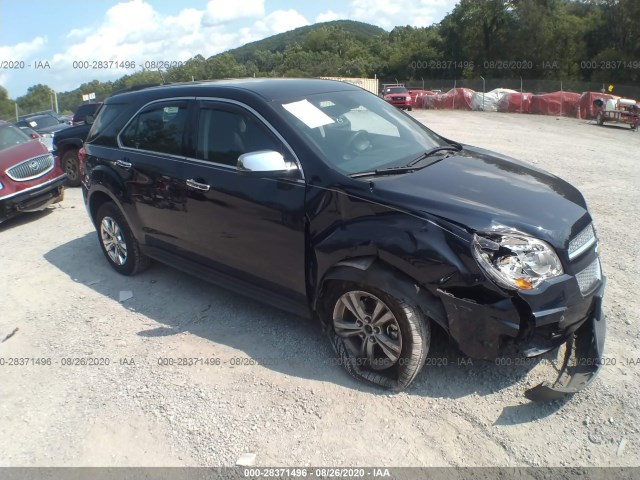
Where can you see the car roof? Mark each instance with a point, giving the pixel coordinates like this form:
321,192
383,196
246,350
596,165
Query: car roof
33,117
85,105
269,89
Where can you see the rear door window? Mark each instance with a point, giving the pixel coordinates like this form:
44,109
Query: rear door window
158,128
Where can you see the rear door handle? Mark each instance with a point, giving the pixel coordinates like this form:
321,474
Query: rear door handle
123,164
197,185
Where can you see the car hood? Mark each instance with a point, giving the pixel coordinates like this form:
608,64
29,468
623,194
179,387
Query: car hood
53,128
75,131
483,191
14,155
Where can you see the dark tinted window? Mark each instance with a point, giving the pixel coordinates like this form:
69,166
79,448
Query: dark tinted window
396,90
84,110
40,121
226,133
103,118
158,128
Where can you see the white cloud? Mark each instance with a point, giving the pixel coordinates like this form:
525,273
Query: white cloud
219,11
386,14
276,22
134,31
284,20
22,51
330,16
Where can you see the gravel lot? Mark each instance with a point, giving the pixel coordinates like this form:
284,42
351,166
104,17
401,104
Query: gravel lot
299,409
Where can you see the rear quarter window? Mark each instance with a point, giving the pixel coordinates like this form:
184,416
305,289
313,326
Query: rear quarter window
105,117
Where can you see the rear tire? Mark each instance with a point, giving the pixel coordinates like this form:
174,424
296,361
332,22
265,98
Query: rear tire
117,242
71,166
378,338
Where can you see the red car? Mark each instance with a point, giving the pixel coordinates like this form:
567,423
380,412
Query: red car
398,96
30,176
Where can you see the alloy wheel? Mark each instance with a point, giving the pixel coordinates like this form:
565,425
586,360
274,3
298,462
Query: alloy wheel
369,329
113,240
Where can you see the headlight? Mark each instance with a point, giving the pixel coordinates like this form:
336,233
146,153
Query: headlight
516,261
408,98
1,186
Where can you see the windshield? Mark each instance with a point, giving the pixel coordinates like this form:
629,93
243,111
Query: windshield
389,90
11,136
41,121
356,131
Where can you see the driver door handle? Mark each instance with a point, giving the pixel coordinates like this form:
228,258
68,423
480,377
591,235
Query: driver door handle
197,185
123,164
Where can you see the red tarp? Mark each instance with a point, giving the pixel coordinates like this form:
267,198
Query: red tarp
515,103
586,103
556,103
417,97
458,98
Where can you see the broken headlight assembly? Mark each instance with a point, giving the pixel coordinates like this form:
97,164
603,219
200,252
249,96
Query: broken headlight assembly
516,261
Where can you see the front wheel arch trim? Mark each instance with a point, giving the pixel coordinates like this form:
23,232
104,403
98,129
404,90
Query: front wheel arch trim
370,270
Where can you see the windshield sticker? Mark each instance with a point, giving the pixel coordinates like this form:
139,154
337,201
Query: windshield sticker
308,113
33,124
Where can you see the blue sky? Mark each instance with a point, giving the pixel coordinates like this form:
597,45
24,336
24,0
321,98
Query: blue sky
168,30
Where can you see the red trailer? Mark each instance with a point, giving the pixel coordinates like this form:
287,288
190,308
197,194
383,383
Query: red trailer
617,111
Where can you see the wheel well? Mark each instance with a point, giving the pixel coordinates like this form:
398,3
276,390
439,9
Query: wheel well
67,148
96,201
380,274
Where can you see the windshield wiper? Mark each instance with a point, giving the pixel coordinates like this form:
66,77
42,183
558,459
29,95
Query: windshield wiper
409,167
384,171
433,151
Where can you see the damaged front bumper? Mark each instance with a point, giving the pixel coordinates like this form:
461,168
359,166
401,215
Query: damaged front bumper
32,199
582,358
529,327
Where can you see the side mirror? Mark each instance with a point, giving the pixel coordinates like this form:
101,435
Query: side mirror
89,119
265,163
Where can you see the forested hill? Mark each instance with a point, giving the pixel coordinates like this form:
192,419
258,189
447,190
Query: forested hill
559,40
361,32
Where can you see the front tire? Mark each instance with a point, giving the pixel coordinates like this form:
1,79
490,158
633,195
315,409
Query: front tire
71,166
117,241
378,338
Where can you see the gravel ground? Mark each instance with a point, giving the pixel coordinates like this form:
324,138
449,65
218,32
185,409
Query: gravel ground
297,408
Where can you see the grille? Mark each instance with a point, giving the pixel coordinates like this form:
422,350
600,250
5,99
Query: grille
588,277
581,242
33,168
399,98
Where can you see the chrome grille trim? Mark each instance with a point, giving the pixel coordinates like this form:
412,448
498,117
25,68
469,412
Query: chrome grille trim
581,242
32,168
589,277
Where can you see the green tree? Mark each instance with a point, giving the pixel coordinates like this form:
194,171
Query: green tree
7,106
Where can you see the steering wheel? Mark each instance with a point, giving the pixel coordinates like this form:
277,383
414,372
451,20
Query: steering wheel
358,142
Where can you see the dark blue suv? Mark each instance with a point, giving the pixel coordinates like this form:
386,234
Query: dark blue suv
322,199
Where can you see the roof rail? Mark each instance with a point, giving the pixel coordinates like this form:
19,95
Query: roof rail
135,88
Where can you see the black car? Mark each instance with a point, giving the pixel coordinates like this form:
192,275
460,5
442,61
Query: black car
382,230
83,111
44,124
66,145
